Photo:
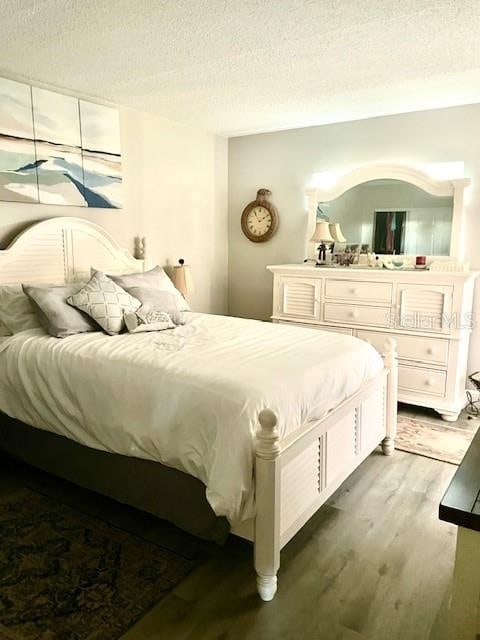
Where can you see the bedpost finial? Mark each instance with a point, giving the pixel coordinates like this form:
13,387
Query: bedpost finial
390,352
390,344
267,444
267,419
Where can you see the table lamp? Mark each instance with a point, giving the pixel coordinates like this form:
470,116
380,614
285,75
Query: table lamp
322,235
336,232
182,278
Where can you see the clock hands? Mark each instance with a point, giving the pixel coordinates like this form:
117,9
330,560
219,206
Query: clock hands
260,219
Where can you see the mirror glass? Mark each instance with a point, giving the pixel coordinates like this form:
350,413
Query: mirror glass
392,217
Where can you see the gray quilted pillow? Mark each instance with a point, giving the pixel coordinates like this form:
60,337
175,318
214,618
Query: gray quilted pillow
155,300
156,278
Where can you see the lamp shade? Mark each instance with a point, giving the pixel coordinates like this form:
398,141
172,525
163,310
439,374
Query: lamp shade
322,233
182,278
337,232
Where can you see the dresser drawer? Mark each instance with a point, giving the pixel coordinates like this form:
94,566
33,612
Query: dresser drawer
358,291
431,350
357,314
416,380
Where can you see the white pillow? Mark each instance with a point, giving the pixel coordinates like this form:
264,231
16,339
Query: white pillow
156,278
105,302
16,311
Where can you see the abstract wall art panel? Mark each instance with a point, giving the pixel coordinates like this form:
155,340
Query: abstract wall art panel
55,149
56,120
102,160
18,175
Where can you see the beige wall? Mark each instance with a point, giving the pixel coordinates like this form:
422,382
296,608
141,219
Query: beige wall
286,161
175,193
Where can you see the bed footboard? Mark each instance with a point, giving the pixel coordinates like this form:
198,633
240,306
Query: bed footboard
295,475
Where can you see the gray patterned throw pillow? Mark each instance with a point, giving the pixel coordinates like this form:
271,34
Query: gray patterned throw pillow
105,302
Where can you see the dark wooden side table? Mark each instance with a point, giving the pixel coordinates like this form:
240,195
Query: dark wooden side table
461,506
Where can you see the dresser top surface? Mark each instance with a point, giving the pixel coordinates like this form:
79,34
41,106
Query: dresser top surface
374,272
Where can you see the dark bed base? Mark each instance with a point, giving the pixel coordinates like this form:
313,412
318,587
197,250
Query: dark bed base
150,486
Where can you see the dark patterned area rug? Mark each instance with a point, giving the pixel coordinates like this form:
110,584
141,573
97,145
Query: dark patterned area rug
68,576
440,442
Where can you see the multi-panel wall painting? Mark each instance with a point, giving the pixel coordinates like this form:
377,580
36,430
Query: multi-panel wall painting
55,149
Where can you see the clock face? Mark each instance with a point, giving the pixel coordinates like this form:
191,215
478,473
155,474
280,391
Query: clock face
259,221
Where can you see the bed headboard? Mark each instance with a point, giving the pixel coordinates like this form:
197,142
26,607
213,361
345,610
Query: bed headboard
60,250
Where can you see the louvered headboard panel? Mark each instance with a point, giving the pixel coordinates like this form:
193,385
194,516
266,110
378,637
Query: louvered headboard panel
42,261
62,250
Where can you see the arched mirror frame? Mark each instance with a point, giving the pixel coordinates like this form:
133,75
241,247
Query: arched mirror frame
454,187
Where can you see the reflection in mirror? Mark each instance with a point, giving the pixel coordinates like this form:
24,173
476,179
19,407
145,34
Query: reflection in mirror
392,216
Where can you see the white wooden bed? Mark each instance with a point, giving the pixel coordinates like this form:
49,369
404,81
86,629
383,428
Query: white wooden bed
295,475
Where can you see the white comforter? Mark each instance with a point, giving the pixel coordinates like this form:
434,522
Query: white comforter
187,397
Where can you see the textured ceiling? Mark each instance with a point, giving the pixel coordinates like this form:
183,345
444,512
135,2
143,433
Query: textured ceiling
244,66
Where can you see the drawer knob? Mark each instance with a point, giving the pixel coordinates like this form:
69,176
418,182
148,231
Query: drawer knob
355,292
429,382
354,314
430,351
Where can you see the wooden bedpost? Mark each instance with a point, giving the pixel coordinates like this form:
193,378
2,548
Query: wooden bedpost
267,497
391,363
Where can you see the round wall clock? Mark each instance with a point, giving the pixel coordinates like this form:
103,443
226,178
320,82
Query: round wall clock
260,218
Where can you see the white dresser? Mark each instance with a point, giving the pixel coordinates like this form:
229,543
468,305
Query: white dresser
428,313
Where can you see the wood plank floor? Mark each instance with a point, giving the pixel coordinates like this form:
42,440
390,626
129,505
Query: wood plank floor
374,563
